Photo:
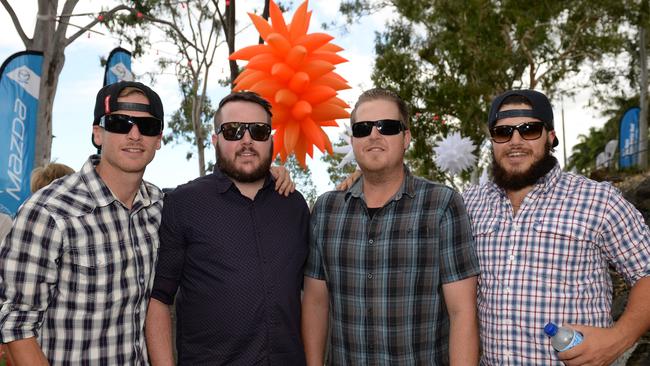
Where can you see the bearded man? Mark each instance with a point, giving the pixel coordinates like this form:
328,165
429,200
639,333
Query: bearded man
545,240
233,249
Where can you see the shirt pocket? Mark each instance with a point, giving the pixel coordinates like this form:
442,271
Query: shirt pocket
561,252
95,273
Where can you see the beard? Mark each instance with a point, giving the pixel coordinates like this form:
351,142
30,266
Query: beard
228,167
519,180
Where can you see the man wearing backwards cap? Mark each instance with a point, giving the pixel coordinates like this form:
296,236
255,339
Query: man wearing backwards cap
545,239
76,269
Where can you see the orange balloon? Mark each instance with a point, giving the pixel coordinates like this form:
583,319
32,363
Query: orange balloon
279,44
294,71
296,56
318,94
286,98
314,41
301,110
262,62
249,52
282,72
317,68
299,82
328,111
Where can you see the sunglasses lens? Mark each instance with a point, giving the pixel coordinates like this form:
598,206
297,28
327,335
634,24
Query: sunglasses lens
530,131
501,134
231,130
234,131
259,131
527,131
120,123
389,127
362,129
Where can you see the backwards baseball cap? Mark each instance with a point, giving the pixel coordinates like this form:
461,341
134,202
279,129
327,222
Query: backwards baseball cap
106,102
541,109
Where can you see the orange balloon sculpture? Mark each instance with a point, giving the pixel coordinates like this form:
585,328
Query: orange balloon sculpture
294,71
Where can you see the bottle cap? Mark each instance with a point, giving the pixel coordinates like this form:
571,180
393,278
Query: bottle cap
550,329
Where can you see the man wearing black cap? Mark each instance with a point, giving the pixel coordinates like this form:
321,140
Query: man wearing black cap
76,269
545,239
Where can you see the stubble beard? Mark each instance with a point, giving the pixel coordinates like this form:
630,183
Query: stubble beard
519,180
228,167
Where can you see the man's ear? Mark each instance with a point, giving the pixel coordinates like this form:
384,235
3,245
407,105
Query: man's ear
97,136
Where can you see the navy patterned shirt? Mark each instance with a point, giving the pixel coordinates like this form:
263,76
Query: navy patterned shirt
237,266
385,273
77,268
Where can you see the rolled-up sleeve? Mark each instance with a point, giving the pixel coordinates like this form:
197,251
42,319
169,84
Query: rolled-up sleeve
28,271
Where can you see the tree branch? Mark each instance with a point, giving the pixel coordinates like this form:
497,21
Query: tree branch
85,28
26,40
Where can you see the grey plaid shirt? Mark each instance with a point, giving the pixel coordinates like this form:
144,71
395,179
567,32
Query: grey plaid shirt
76,271
385,274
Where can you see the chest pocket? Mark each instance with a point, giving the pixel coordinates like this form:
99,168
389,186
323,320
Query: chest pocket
94,273
562,253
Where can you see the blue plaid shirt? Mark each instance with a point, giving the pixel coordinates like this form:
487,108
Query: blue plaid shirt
385,274
549,263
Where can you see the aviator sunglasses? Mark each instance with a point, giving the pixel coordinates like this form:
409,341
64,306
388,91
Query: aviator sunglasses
527,131
384,126
122,123
234,131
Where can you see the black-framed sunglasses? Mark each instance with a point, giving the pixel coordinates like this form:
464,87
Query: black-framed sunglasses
122,123
384,126
527,131
234,131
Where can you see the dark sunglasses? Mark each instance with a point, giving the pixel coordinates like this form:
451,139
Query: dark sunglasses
122,123
384,126
234,131
527,131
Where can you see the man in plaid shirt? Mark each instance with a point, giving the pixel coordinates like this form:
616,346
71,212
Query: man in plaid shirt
76,268
545,240
391,262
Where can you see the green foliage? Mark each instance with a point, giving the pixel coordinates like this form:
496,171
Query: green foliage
182,129
450,58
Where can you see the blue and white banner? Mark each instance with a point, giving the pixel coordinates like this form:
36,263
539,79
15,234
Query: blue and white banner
20,79
628,143
118,66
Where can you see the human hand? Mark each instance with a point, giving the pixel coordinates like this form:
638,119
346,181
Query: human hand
283,183
349,181
600,346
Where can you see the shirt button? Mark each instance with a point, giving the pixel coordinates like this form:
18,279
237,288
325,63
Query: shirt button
515,228
507,290
371,241
369,275
512,258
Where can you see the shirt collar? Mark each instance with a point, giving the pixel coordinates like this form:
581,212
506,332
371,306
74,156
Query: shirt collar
407,187
103,196
544,184
223,182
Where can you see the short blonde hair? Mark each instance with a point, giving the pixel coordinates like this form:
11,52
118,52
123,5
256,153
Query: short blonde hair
44,175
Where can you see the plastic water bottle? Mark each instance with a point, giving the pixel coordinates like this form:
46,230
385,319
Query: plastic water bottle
562,338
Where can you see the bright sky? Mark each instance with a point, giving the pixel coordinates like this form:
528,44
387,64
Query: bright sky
82,77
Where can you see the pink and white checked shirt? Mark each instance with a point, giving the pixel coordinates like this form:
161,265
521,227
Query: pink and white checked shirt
550,261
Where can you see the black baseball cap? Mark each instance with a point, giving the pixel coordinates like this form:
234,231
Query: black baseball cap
541,109
106,102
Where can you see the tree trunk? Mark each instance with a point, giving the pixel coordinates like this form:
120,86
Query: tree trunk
230,40
52,44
